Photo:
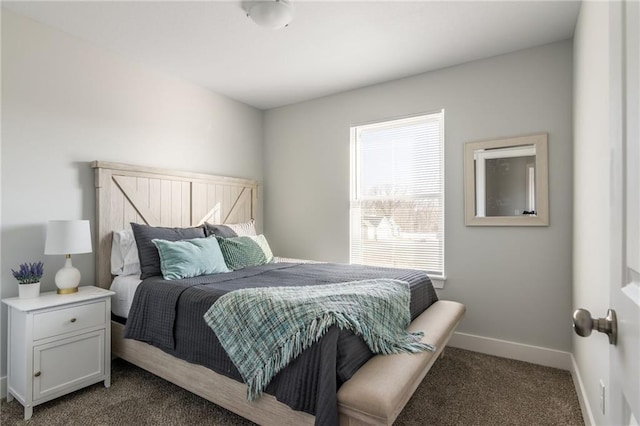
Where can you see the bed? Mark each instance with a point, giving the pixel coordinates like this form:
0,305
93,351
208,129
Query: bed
375,394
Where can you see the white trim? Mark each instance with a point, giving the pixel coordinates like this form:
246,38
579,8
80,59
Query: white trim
3,387
585,407
512,350
508,152
531,187
481,186
438,282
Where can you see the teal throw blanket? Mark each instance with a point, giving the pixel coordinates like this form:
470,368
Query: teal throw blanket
263,329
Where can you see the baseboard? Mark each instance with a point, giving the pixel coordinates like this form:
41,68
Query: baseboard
3,387
512,350
587,413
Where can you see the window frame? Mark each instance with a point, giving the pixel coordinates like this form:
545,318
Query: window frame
355,165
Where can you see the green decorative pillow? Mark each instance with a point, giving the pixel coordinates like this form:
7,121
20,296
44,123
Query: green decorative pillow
242,252
190,258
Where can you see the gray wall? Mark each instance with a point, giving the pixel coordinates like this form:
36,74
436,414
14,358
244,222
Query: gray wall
66,103
515,282
591,256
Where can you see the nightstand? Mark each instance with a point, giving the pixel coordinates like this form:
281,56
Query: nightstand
57,343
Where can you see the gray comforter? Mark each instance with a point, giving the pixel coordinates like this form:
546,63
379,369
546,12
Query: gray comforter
169,315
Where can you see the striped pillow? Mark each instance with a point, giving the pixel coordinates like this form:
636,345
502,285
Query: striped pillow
245,251
244,229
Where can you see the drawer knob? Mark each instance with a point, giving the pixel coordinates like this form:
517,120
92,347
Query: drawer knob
37,374
73,320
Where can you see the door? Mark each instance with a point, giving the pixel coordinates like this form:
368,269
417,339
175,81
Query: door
624,397
66,365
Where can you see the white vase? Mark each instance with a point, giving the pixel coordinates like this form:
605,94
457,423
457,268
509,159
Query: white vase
28,291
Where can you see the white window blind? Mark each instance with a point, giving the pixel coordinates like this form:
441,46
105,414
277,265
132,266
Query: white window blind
397,193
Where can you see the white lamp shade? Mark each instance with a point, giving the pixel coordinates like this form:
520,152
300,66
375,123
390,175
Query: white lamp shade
271,13
68,237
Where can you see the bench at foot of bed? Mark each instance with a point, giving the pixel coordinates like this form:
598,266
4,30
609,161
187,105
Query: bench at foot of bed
379,390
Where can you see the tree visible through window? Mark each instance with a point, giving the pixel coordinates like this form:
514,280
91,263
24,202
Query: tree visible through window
397,193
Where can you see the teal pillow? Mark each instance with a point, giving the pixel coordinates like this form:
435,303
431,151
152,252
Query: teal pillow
242,252
189,258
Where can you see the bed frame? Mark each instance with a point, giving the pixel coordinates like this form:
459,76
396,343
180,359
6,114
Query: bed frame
374,395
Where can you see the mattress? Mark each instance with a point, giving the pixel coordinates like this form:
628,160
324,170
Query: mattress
125,287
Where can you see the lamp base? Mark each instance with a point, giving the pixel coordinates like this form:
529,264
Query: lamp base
67,278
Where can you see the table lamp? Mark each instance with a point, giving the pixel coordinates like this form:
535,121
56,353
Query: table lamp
68,237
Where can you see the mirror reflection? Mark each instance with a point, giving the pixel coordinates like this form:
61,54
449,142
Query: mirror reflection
505,181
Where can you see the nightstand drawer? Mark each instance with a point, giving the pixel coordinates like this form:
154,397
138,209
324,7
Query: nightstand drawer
66,320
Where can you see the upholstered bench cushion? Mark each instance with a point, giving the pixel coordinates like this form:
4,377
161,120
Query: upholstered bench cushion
380,389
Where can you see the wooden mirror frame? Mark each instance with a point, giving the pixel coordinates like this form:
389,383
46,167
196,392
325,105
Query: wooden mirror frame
541,183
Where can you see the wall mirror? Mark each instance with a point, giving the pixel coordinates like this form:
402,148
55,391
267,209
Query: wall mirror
506,182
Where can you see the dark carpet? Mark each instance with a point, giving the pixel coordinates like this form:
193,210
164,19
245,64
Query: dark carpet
463,388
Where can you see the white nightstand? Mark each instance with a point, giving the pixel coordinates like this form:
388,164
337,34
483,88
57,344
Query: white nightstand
57,343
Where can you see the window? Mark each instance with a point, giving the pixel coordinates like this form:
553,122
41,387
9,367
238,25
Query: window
397,193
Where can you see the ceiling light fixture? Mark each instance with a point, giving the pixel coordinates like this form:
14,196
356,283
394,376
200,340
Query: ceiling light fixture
271,13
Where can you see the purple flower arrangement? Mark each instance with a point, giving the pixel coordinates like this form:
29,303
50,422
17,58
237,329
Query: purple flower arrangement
29,273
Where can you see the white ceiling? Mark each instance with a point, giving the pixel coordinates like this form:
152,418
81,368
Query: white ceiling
330,47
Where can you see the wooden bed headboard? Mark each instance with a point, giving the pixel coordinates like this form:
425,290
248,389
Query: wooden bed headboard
160,197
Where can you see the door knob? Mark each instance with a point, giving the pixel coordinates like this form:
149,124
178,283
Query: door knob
583,324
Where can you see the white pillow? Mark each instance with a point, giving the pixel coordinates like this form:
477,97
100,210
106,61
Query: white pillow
247,229
261,240
124,254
